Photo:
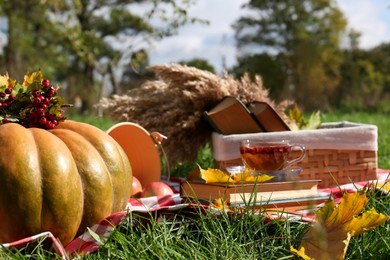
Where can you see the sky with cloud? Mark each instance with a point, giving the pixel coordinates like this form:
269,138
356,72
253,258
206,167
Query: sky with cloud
215,42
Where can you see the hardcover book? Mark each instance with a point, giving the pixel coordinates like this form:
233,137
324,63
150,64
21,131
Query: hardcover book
286,205
267,117
264,192
231,116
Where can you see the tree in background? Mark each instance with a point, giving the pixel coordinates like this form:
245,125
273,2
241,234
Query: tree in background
135,73
33,42
361,85
270,67
92,38
294,46
380,58
199,64
363,76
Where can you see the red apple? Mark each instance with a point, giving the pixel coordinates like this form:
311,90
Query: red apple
137,188
157,188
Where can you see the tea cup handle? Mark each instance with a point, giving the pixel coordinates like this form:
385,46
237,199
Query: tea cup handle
294,147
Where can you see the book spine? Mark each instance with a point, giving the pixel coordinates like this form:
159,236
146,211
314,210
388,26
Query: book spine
267,117
258,122
252,115
211,122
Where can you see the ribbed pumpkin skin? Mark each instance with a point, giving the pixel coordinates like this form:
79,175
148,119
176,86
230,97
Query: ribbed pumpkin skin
62,180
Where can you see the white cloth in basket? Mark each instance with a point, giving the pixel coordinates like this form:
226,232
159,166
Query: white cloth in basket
333,136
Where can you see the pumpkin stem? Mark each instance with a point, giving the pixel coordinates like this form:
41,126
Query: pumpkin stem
158,138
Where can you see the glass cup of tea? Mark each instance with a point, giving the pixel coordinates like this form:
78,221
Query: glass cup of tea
270,156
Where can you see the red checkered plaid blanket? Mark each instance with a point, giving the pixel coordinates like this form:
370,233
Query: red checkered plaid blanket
86,243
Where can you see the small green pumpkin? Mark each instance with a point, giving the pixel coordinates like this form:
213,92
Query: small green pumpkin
62,180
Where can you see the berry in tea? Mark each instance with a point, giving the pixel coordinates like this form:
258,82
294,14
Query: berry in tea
265,158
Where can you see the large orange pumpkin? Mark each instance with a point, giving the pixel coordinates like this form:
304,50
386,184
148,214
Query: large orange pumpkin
62,180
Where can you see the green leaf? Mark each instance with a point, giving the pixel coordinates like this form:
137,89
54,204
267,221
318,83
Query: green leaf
314,121
297,116
95,236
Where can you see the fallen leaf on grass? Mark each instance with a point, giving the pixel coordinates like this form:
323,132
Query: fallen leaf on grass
385,187
329,236
366,222
300,252
220,204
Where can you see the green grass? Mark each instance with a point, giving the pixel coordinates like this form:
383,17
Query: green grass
196,235
204,235
103,123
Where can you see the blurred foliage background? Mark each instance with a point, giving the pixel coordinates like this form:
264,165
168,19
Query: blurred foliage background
99,48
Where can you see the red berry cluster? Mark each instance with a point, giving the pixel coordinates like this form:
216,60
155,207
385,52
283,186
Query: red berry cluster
34,105
264,150
6,99
39,115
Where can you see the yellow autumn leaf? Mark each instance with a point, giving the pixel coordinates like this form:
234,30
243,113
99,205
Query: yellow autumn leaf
220,204
334,225
260,178
241,176
365,222
321,243
385,187
245,176
215,176
351,204
3,80
7,81
29,78
300,252
218,176
297,116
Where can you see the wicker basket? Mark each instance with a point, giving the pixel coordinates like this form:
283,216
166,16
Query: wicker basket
338,153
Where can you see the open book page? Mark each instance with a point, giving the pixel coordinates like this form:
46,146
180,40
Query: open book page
231,116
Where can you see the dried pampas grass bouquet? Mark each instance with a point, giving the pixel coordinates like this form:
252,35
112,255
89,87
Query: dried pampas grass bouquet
173,105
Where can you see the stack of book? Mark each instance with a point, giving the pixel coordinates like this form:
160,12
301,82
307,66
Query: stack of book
285,194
